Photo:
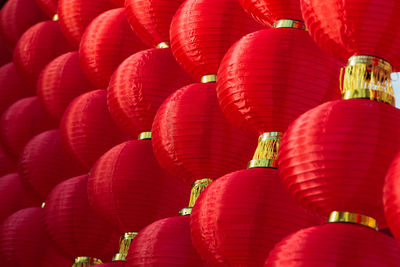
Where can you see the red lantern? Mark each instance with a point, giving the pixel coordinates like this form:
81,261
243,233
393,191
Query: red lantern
239,218
48,6
44,163
112,264
5,54
140,85
60,82
165,242
72,224
119,3
38,46
200,38
53,257
20,122
76,15
7,163
87,129
151,19
336,244
16,17
107,41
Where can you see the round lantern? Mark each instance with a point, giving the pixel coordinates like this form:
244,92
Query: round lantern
23,238
60,82
7,164
165,242
140,85
200,38
239,218
87,129
151,19
76,15
74,227
39,45
53,257
16,17
5,55
119,3
107,41
44,163
112,264
20,122
12,88
48,6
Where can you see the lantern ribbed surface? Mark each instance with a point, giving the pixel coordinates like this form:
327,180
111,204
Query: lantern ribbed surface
20,122
165,242
54,257
39,45
200,38
49,7
140,85
107,41
76,15
270,77
74,226
118,3
335,156
193,140
87,129
60,82
8,164
44,163
336,244
6,54
240,217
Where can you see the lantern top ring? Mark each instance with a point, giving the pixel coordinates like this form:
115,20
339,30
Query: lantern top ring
163,45
350,217
290,23
369,60
211,78
144,136
87,260
185,211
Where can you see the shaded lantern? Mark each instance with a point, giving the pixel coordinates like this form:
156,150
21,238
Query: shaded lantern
7,164
74,226
76,15
49,7
118,3
16,17
39,45
54,257
112,264
60,82
87,129
107,41
44,163
20,122
6,54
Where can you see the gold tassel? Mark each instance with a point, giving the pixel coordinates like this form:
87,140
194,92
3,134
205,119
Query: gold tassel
367,77
86,261
266,154
355,218
197,188
125,243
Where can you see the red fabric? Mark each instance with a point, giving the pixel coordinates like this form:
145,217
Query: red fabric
112,264
44,163
165,242
107,41
193,140
5,52
23,238
7,164
203,30
74,226
118,3
240,217
139,86
151,19
12,88
257,9
48,6
130,190
38,46
20,122
335,156
355,27
16,17
87,129
336,244
266,80
60,82
76,15
53,257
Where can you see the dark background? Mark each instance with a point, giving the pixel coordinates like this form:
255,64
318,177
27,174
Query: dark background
2,2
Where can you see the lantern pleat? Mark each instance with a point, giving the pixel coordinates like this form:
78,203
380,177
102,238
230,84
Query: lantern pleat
139,86
49,7
60,82
107,41
87,129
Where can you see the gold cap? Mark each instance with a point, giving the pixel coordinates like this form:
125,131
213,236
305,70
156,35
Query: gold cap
266,154
86,261
290,23
144,136
43,205
185,211
125,243
350,217
55,17
211,78
163,45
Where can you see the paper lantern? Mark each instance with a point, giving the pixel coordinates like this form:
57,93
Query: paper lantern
20,122
165,242
87,129
44,163
74,226
16,17
240,217
139,86
76,15
49,7
7,164
53,257
151,19
107,41
112,264
5,54
118,3
200,38
39,45
60,82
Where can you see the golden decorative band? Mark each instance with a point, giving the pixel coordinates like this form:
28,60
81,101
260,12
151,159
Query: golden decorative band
349,217
369,94
43,205
369,60
86,261
211,78
266,154
163,45
125,243
290,23
144,136
55,17
185,211
197,188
